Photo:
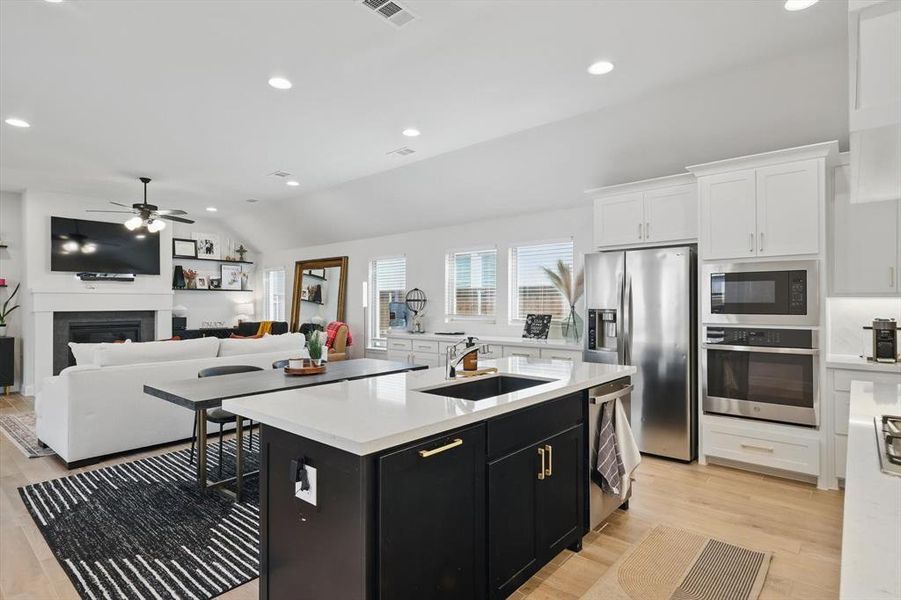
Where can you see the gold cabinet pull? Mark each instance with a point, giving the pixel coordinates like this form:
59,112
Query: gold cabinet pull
440,449
541,470
550,460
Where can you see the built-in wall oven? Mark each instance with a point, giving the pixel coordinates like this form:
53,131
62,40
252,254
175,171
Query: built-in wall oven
768,293
769,374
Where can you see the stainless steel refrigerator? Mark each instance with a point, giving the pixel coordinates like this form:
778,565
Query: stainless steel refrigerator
642,311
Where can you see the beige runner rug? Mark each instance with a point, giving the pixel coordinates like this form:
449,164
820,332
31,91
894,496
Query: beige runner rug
674,564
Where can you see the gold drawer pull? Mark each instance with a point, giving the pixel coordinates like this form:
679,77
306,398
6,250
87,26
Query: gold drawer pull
755,447
541,471
550,460
440,449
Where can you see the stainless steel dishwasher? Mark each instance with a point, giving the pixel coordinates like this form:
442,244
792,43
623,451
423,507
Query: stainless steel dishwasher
601,505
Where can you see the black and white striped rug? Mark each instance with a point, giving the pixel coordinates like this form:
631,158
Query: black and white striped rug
142,529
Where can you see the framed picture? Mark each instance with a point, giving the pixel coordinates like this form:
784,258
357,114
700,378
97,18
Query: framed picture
231,277
203,281
215,283
207,245
537,327
183,248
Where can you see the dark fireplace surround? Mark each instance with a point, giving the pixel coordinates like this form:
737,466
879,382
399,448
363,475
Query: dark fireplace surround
95,327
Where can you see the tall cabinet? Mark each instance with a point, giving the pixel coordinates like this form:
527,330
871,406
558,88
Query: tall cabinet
764,205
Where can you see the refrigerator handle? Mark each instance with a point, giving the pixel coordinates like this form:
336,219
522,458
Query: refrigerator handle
627,321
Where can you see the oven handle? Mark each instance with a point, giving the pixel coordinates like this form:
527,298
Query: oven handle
766,349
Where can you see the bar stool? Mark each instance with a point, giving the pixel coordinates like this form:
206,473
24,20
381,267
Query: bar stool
218,415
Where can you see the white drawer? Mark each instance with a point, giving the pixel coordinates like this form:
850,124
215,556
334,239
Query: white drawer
400,344
761,445
841,405
494,351
841,378
561,354
520,351
841,455
399,355
426,358
425,346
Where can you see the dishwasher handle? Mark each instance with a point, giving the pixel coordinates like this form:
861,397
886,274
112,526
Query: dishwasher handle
595,398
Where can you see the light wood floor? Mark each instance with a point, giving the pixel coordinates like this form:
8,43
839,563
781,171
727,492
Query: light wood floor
799,524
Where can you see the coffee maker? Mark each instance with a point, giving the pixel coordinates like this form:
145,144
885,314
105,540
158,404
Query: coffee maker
885,340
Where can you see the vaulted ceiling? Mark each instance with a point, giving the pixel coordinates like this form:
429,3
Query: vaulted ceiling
510,119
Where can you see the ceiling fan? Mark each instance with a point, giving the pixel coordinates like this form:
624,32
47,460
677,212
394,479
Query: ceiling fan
147,215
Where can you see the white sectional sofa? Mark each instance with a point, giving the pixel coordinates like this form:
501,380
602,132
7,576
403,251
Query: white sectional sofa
98,407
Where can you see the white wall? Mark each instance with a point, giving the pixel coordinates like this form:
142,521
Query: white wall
847,317
11,269
425,253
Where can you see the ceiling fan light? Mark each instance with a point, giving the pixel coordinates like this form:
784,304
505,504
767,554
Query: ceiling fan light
89,248
156,225
133,223
70,246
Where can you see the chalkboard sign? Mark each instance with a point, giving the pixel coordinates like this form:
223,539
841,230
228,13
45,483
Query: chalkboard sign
537,327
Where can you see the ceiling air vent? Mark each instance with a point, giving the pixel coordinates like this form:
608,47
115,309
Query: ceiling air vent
391,11
405,151
281,174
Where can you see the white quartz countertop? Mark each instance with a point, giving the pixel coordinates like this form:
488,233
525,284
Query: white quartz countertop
871,534
858,363
551,344
370,415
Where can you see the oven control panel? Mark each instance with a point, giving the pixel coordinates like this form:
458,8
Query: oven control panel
771,338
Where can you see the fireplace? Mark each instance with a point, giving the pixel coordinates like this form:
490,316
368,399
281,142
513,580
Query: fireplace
96,327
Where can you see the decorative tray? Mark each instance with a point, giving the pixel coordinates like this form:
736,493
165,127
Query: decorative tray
307,369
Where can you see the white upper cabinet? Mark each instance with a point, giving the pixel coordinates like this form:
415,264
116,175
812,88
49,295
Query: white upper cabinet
729,215
646,212
619,220
788,209
671,213
764,205
874,40
864,251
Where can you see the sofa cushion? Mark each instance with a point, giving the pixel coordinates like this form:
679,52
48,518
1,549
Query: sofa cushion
267,343
153,352
84,352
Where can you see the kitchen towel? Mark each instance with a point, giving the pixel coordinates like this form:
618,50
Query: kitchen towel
626,448
609,465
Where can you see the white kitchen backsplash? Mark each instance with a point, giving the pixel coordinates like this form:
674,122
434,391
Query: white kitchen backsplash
847,316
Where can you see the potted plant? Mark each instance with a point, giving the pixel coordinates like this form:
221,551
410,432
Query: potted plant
6,309
314,347
571,288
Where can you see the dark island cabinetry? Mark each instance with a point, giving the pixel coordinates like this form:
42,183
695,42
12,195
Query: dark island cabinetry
468,514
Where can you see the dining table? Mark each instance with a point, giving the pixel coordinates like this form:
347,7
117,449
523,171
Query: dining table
200,394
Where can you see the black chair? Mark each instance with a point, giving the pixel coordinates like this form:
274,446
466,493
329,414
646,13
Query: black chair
217,415
280,364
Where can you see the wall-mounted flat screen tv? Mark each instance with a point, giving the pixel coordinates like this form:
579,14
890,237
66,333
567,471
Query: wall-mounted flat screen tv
96,247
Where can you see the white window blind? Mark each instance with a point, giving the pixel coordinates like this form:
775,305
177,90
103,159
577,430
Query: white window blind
471,284
274,294
531,291
388,283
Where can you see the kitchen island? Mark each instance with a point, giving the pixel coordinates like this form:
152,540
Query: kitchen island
411,486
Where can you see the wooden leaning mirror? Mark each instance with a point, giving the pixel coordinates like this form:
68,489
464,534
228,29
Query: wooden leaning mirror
320,289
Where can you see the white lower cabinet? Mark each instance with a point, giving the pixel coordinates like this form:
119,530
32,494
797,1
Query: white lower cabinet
771,445
523,352
560,354
433,352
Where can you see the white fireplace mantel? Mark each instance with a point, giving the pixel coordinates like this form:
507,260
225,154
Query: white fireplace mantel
45,302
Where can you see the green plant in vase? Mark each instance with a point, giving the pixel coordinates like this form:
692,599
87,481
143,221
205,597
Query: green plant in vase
314,347
6,309
570,287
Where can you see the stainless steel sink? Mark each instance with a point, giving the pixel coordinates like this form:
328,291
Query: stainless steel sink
481,388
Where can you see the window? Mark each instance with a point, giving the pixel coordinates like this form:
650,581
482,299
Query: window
471,284
531,291
387,283
274,294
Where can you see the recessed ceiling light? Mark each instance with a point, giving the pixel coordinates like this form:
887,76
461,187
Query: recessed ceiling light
17,122
795,5
411,132
280,83
211,209
601,67
53,1
252,200
292,183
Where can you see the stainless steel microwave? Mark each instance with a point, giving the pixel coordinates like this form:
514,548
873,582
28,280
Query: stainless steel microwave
765,293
